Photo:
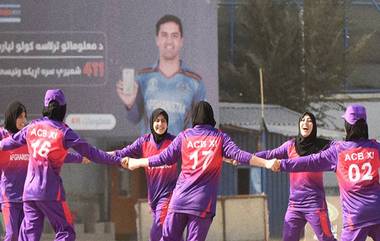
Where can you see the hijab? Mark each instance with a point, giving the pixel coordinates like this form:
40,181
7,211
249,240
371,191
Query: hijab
14,110
310,144
203,114
357,131
157,137
54,111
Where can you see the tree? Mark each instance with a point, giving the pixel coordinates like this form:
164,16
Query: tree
301,52
324,48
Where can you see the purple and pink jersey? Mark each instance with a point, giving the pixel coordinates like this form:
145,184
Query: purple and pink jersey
356,164
160,180
13,166
306,188
201,149
47,143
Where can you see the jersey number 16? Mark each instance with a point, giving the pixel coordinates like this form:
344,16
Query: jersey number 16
41,147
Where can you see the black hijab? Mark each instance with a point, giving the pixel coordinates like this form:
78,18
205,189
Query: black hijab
54,111
357,131
14,110
158,138
310,144
203,114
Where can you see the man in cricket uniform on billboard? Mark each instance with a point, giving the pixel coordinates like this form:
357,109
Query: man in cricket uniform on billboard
168,84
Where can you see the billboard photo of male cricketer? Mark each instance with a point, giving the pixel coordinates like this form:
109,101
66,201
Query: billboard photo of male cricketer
113,59
167,84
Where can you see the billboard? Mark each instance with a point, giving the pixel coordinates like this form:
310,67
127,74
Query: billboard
91,48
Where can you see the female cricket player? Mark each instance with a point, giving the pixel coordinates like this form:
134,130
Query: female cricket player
201,149
161,180
356,162
13,167
48,140
307,199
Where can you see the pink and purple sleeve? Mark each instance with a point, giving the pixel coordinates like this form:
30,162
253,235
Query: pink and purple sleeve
72,140
72,157
134,150
232,151
170,155
280,152
15,141
3,163
323,161
3,133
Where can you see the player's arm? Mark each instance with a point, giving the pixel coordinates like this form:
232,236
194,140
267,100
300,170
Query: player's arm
280,152
230,161
169,156
14,141
72,157
232,151
72,140
261,162
323,161
3,162
133,150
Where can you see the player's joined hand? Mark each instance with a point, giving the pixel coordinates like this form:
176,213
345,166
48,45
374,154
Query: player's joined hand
276,165
133,164
125,162
85,160
273,164
231,161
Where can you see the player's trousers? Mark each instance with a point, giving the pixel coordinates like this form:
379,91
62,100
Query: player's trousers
13,215
175,224
158,217
58,214
361,234
295,222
